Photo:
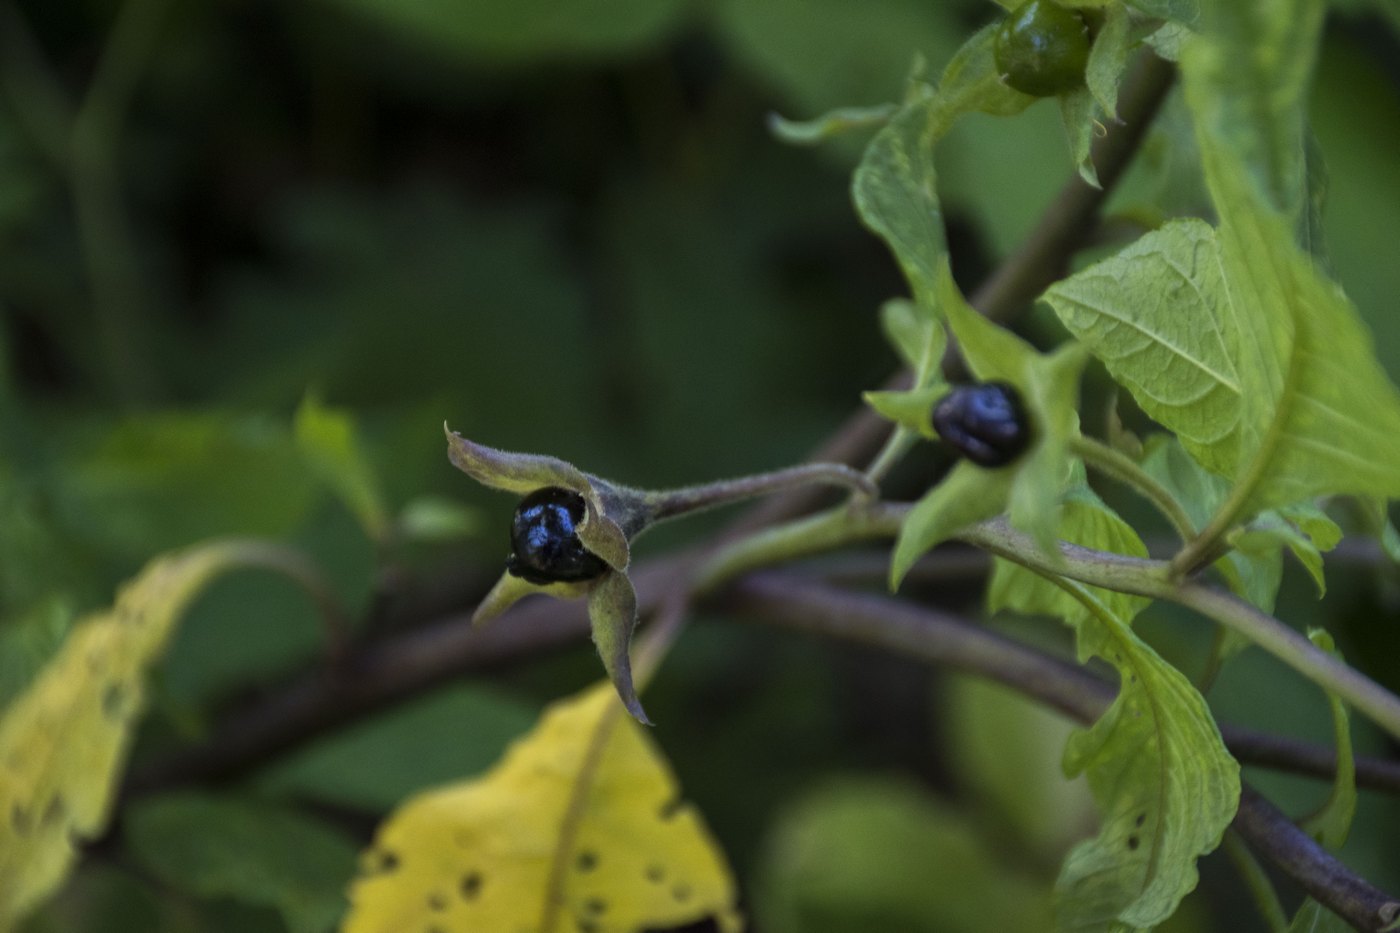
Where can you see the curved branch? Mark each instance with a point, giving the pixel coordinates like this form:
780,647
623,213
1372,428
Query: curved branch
933,636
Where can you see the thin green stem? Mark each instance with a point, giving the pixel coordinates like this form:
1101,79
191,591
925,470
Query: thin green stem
1260,887
673,502
1154,579
896,446
1124,469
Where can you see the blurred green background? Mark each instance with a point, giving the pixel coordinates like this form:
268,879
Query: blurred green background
561,226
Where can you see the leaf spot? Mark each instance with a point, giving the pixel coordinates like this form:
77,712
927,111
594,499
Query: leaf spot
681,893
471,885
586,861
436,901
656,874
595,906
1133,842
1141,818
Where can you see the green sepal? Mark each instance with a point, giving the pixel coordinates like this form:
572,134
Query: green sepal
968,494
510,589
612,612
513,472
1049,388
602,536
912,409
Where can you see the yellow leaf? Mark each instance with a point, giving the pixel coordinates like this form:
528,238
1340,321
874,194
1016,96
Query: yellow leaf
64,740
579,827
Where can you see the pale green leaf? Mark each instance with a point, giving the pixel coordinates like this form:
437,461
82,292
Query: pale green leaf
578,826
1156,764
909,328
882,855
329,441
1279,529
436,519
1319,414
833,123
247,850
896,195
63,742
1154,314
1330,824
911,410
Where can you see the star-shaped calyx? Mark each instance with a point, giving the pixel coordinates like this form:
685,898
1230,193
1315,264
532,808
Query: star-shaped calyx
569,538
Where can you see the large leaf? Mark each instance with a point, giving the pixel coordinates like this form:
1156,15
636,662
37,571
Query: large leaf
1155,762
246,850
64,740
329,440
579,826
1155,315
1319,414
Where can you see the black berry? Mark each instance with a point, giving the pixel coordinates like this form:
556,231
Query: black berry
984,422
544,540
1041,48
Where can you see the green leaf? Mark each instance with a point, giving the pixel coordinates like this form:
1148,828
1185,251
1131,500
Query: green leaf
1331,823
63,742
833,123
329,441
435,519
1155,762
247,850
1319,414
372,765
877,854
1156,315
1186,12
524,30
895,192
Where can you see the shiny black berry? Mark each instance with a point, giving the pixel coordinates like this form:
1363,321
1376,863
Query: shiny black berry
1041,48
544,540
985,423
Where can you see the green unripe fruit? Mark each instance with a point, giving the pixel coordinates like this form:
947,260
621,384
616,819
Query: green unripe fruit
1041,49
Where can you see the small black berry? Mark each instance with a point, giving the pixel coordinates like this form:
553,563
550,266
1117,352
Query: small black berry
984,422
544,540
1042,48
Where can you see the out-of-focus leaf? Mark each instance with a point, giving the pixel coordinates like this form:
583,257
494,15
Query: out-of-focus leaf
27,643
836,122
435,519
64,740
822,54
328,439
589,833
375,764
872,854
1165,784
1006,750
523,30
157,482
1108,58
247,850
1331,823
